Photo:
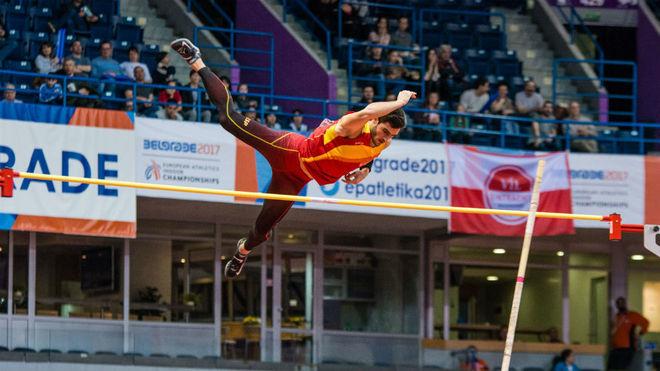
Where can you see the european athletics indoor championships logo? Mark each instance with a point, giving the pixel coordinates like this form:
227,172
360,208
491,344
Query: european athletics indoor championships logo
152,170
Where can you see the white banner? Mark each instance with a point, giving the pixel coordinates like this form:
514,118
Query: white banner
184,154
68,150
406,172
602,184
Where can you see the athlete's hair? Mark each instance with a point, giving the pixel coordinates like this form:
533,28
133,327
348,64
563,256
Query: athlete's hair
396,118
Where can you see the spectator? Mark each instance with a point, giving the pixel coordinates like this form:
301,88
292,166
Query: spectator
83,64
243,101
462,123
367,97
164,73
553,333
225,80
326,10
171,94
544,134
581,130
472,362
432,75
503,105
6,45
88,102
401,37
390,97
452,77
10,94
296,124
565,361
68,69
128,67
46,62
373,68
395,73
251,112
529,103
627,327
271,122
104,65
76,16
380,35
50,91
350,21
474,100
193,97
142,93
169,112
431,103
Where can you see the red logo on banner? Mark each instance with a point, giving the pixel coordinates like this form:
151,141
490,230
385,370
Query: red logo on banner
508,187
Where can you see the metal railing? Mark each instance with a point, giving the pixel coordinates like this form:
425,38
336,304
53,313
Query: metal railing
404,9
601,63
575,21
232,49
482,129
316,22
204,11
382,81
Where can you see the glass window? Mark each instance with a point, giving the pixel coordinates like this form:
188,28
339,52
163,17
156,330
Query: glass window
503,255
297,236
379,241
78,276
21,241
589,259
4,270
644,293
588,296
372,292
176,228
481,302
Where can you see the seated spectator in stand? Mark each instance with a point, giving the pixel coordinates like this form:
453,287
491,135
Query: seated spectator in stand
553,333
192,97
76,16
390,97
87,102
134,61
395,73
243,101
68,69
296,124
529,103
367,97
581,130
503,106
225,80
83,64
326,11
452,78
432,103
171,94
169,112
164,73
380,35
251,112
46,62
565,362
104,66
432,74
350,22
544,134
6,45
50,91
142,93
372,68
474,100
271,121
401,37
472,362
10,94
460,122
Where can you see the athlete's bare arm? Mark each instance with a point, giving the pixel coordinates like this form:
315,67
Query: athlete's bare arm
351,125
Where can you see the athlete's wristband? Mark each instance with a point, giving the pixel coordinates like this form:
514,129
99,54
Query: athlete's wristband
367,165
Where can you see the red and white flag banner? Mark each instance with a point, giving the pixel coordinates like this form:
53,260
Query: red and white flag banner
504,181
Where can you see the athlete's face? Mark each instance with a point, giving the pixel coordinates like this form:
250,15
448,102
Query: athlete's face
382,132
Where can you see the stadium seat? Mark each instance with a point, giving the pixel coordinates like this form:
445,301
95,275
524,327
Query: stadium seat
606,141
129,32
148,55
458,35
478,62
18,22
431,34
34,40
489,37
629,142
105,7
40,18
92,48
506,63
120,50
101,31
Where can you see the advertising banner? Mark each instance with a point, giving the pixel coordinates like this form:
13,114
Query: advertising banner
81,148
502,181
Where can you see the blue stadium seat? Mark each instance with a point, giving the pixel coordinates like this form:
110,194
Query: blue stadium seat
476,19
101,31
630,141
35,39
506,63
431,34
129,32
18,22
458,35
41,17
19,52
25,92
52,4
489,37
17,8
474,5
120,50
92,48
148,55
606,141
478,61
106,7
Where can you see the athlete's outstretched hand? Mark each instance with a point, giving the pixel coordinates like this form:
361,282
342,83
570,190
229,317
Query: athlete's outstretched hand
405,96
357,176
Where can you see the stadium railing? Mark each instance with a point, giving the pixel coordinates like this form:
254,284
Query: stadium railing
286,5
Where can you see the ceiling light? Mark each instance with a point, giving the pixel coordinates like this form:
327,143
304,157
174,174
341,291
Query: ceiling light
492,278
499,251
560,253
637,257
183,260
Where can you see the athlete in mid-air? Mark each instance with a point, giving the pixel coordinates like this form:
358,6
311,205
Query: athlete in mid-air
343,148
